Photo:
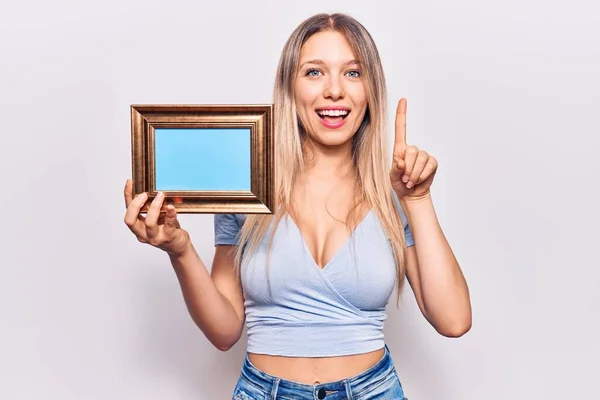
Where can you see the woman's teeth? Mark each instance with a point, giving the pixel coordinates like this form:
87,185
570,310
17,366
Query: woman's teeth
333,113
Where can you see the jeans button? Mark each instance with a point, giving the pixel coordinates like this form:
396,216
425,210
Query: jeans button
321,393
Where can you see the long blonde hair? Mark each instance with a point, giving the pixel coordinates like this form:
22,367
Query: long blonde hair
370,149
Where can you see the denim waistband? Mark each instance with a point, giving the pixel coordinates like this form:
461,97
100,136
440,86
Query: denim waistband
344,389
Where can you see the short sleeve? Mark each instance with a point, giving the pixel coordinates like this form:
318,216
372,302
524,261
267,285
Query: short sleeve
407,232
227,229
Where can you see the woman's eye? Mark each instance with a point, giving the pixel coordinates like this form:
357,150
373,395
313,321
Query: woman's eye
312,72
354,74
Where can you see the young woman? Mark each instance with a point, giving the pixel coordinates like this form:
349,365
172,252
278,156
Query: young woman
312,280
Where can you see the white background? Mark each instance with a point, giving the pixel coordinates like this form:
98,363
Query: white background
505,94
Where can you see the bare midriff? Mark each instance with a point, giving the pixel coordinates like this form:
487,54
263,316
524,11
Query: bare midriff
315,370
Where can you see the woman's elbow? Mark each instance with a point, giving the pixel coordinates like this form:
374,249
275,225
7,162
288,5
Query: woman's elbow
455,329
224,342
225,345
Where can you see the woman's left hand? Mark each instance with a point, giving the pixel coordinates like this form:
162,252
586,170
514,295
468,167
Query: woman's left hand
412,169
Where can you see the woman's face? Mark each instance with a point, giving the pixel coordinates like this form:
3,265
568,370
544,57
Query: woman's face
330,92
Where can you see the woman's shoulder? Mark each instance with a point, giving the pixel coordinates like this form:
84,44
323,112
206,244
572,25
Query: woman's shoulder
227,228
404,220
230,218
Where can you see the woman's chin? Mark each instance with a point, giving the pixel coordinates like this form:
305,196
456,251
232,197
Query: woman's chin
333,139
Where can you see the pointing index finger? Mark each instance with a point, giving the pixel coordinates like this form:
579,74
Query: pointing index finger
400,140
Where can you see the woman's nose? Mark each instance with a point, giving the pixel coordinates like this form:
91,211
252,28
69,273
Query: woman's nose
334,89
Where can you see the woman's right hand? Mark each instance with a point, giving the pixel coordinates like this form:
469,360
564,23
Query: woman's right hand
159,227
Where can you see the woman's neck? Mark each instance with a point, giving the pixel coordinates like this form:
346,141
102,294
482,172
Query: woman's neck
328,162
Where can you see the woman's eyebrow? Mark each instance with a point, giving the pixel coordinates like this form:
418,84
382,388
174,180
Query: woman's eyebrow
321,62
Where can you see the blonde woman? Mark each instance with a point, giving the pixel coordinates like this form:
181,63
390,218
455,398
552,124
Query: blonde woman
312,281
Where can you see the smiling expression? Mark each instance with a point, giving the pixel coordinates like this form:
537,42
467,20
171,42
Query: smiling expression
330,91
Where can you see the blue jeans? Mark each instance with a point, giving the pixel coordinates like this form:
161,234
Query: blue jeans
379,382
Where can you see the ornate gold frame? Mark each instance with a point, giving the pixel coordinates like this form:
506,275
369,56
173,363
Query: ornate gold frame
259,118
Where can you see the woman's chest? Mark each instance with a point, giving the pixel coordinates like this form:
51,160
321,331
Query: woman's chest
361,273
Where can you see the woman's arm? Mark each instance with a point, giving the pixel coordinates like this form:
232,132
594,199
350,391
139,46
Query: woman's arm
431,268
215,302
434,273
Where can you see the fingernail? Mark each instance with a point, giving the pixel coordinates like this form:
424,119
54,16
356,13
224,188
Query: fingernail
409,185
405,178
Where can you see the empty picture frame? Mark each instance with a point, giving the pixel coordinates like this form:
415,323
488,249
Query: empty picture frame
204,158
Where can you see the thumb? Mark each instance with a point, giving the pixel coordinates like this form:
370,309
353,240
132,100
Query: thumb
398,167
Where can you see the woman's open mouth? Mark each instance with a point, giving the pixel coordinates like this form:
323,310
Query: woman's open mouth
333,118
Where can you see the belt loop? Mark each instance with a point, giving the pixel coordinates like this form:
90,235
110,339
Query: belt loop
275,389
348,390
